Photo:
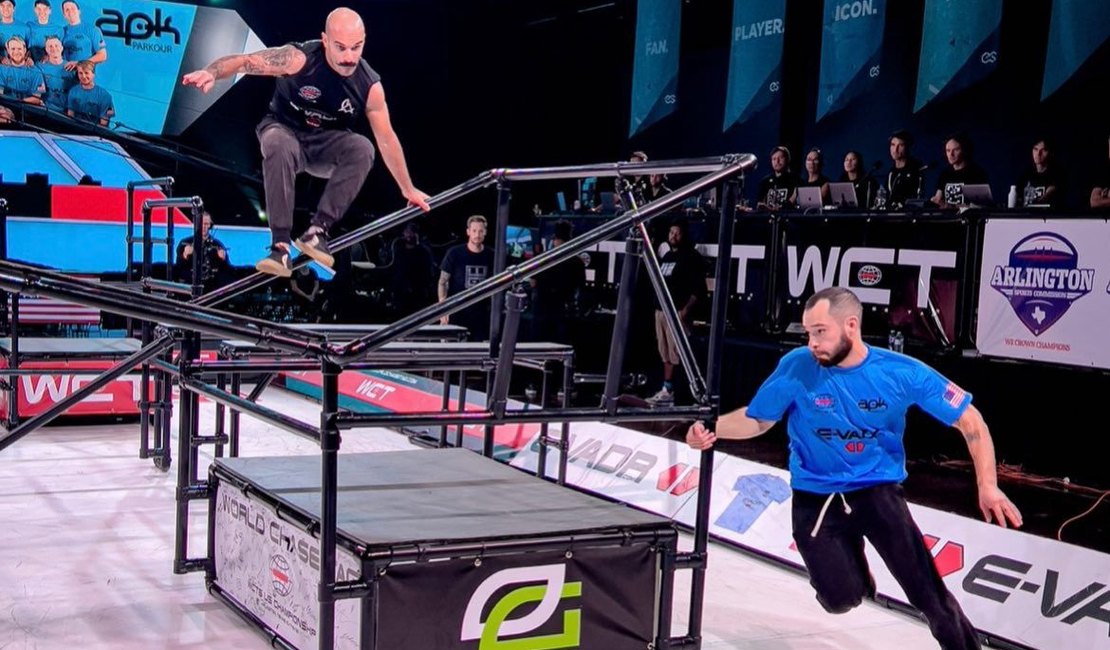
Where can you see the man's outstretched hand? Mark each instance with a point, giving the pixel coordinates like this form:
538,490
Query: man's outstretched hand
699,437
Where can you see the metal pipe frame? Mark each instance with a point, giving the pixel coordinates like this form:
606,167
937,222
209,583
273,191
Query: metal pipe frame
333,357
584,414
129,237
343,242
361,347
122,367
22,279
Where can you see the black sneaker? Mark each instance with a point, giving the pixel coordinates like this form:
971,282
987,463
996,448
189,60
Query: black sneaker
276,263
314,243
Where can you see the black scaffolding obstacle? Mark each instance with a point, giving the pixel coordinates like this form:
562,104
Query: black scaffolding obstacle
362,526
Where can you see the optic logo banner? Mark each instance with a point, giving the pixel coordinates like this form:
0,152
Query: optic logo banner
1077,29
851,45
593,599
1043,291
755,65
655,64
959,47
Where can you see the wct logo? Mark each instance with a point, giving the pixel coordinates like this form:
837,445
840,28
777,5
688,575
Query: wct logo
552,589
1042,280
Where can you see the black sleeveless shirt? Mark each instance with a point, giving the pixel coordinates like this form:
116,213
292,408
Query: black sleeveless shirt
318,97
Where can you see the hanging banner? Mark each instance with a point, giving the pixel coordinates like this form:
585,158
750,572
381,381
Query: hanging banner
1077,29
655,66
755,66
851,45
959,47
1043,291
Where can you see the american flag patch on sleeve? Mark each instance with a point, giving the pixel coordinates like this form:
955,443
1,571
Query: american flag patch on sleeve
954,395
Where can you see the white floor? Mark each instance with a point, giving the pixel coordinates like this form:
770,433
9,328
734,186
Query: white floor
86,532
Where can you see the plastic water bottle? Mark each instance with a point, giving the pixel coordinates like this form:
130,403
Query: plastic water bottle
1011,198
881,198
895,341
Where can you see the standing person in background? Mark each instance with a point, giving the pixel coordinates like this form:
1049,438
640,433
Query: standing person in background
463,267
555,292
412,271
843,494
40,29
58,80
684,271
82,41
9,28
88,101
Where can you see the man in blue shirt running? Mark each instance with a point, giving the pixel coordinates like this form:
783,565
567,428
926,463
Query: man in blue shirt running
847,403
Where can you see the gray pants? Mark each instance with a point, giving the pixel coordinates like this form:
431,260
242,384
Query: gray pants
342,157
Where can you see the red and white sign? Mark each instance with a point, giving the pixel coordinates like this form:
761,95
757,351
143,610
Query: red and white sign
37,393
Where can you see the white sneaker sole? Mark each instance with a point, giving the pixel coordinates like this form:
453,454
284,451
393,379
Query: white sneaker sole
267,265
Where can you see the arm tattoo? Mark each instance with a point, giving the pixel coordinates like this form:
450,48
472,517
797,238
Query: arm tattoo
276,57
971,437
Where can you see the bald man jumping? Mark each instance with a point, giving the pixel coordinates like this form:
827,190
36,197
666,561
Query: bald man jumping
321,87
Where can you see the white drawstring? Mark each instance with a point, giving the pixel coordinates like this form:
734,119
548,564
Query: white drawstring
825,508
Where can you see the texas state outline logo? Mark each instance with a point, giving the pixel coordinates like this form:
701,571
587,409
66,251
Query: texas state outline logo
1042,280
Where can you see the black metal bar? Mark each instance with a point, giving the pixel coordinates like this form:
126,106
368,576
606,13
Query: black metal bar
280,365
185,471
564,428
670,314
165,306
199,244
713,372
376,227
233,428
14,278
220,429
445,405
690,165
329,480
541,460
167,286
500,254
479,418
362,346
461,407
630,264
666,598
498,398
13,362
166,458
7,323
121,367
236,403
50,371
493,548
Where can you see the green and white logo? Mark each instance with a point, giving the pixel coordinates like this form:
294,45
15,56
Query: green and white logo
552,588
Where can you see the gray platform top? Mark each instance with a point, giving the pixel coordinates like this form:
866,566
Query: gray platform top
454,350
435,496
71,347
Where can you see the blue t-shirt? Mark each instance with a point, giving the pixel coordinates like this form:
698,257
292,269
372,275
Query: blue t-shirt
8,30
38,33
754,494
58,82
846,424
81,42
92,104
21,82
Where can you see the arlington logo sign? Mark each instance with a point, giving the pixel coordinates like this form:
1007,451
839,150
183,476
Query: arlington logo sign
546,585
